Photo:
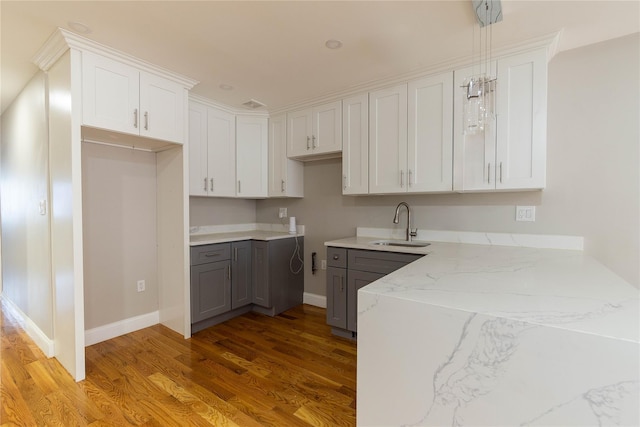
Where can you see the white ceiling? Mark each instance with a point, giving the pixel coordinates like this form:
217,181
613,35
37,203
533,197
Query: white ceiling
273,51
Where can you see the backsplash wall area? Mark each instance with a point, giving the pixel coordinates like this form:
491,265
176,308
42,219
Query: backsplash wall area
593,179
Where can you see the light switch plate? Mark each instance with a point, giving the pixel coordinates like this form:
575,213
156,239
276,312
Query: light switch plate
526,213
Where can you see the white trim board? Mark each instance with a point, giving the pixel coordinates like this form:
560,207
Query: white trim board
315,300
35,333
115,329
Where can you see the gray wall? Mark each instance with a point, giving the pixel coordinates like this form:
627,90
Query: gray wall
26,265
119,224
221,211
593,181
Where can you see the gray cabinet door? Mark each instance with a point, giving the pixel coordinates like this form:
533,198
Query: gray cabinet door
240,274
260,274
337,297
355,281
210,290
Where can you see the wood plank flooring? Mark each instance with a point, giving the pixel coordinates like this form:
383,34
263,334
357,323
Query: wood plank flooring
253,370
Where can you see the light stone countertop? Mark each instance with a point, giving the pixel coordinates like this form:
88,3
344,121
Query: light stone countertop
551,287
237,232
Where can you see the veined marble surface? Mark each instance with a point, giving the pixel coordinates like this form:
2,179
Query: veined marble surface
210,234
498,336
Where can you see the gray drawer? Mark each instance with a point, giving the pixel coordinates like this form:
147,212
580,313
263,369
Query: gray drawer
377,261
337,257
210,253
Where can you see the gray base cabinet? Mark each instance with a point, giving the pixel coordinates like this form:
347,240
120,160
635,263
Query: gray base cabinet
349,270
277,285
229,279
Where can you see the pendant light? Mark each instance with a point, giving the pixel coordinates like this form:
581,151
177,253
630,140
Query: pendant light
479,89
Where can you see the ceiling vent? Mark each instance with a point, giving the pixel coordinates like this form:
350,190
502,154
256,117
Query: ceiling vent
253,104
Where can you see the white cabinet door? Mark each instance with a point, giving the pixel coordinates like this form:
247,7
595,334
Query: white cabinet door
221,155
251,156
474,154
299,130
110,94
198,161
161,108
286,176
327,128
430,146
522,121
355,145
312,132
388,140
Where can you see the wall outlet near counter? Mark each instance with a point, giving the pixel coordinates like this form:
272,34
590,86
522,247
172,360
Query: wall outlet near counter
323,264
526,213
141,285
282,213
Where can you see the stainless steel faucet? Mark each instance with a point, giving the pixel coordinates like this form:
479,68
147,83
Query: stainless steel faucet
410,233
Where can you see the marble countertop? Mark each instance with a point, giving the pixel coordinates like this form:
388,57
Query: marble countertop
235,233
550,287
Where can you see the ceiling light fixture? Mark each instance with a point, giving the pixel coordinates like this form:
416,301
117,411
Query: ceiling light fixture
479,90
79,27
333,44
225,86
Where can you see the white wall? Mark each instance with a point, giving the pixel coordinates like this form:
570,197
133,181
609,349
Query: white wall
24,183
119,223
592,187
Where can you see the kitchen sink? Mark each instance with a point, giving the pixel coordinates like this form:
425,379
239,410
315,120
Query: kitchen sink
402,243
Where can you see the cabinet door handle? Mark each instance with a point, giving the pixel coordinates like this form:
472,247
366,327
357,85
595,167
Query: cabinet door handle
409,178
135,118
229,271
501,172
488,173
211,182
211,255
239,187
205,183
235,254
282,186
336,257
313,141
146,120
401,178
308,140
344,182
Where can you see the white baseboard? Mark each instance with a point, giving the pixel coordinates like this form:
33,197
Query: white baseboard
315,299
35,333
112,330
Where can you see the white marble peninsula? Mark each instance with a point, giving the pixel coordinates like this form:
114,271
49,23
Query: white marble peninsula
485,335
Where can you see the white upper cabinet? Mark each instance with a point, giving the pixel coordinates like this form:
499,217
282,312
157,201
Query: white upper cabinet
355,145
388,140
430,139
198,148
119,97
221,153
286,176
251,156
315,132
511,153
521,147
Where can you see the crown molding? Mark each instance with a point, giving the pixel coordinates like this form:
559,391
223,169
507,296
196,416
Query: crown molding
548,41
62,40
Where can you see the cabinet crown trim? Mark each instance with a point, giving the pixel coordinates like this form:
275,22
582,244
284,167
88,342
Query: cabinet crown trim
61,40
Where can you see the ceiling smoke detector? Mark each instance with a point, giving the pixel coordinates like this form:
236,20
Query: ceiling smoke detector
253,104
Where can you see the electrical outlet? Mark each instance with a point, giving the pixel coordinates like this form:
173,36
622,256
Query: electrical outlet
323,264
282,213
526,213
141,285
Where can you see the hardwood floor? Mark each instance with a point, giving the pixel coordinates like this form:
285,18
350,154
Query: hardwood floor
250,371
